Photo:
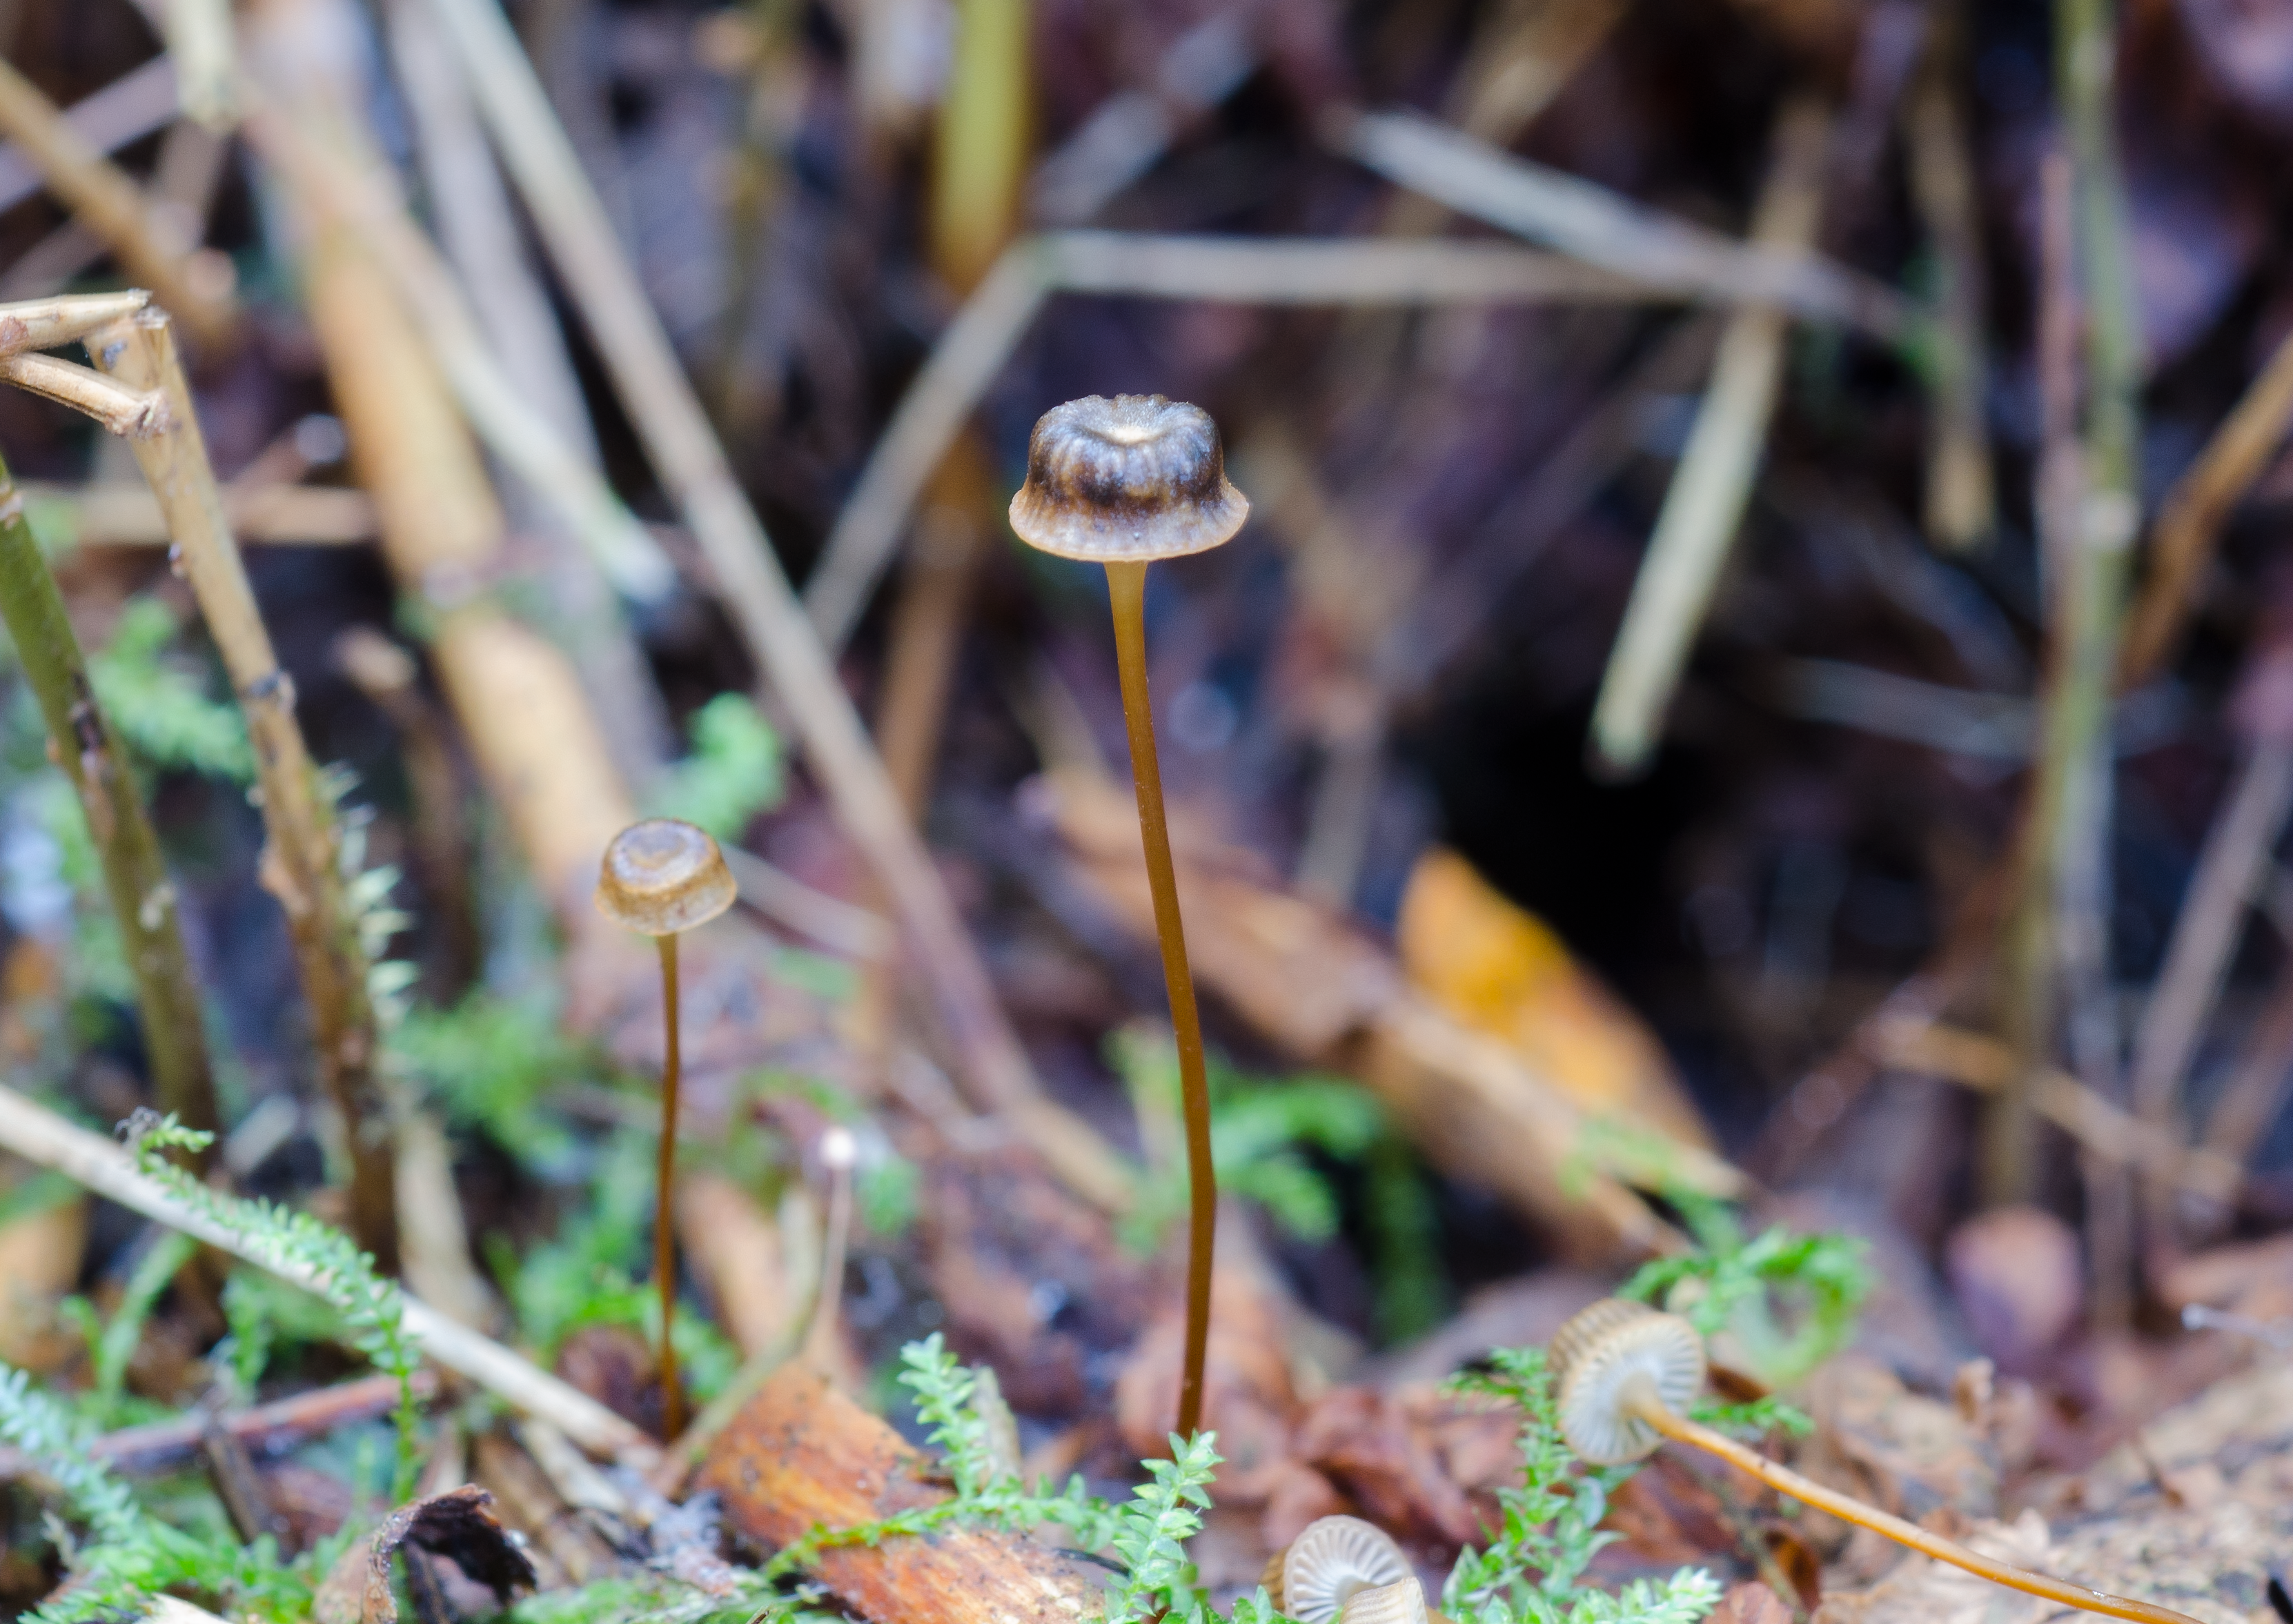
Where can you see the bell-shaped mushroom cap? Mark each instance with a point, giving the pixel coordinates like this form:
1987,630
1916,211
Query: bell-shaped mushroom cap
1599,1356
662,877
1325,1565
1132,479
1402,1603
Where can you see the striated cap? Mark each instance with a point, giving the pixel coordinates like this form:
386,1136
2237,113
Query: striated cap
1403,1602
1323,1568
1133,479
662,877
1600,1356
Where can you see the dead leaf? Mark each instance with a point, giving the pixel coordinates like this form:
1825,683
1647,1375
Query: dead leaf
458,1525
1501,971
1751,1603
2017,1274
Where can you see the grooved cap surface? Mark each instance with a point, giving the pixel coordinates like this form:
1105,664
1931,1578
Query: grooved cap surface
1599,1355
662,877
1335,1558
1136,477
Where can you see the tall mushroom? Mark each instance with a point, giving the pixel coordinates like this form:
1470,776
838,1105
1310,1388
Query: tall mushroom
662,877
1622,1373
1121,483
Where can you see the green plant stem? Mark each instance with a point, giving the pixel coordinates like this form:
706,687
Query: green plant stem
84,747
664,1223
1126,585
302,860
2067,851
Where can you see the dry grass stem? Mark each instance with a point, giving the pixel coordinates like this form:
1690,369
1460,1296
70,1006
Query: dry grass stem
1589,222
1712,484
1976,1061
129,516
133,105
49,324
82,743
667,415
301,866
114,207
199,45
2231,868
130,414
2189,520
1961,502
334,184
39,1136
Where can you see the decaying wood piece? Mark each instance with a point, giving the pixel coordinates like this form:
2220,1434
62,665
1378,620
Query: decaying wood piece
1324,993
802,1456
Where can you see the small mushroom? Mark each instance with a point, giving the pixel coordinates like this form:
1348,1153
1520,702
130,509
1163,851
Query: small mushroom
1121,483
1316,1575
1623,1373
1402,1603
662,877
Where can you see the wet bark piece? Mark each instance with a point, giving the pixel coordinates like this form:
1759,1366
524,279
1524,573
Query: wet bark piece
458,1524
803,1456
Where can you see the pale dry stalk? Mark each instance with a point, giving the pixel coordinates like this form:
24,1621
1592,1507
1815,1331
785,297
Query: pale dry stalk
301,859
112,206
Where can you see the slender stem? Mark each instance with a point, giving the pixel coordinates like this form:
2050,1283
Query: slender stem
1126,585
142,899
1644,1406
664,1223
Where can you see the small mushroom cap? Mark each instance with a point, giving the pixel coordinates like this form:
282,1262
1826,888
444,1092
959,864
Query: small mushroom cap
1400,1602
662,877
1133,479
1325,1566
1600,1356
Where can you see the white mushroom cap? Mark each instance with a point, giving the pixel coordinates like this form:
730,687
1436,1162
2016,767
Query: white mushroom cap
1332,1560
1601,1356
1397,1604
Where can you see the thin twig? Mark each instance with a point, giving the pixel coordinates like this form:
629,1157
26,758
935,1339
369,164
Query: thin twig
81,741
301,865
130,108
130,414
2190,518
112,205
122,515
1713,483
39,1136
1960,499
1593,224
2229,869
667,417
49,324
266,1429
1983,1064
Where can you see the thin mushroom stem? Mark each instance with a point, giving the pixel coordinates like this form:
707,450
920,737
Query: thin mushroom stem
1126,583
664,1227
1641,1402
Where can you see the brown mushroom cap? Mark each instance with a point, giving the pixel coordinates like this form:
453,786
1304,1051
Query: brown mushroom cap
662,877
1327,1564
1600,1356
1136,477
